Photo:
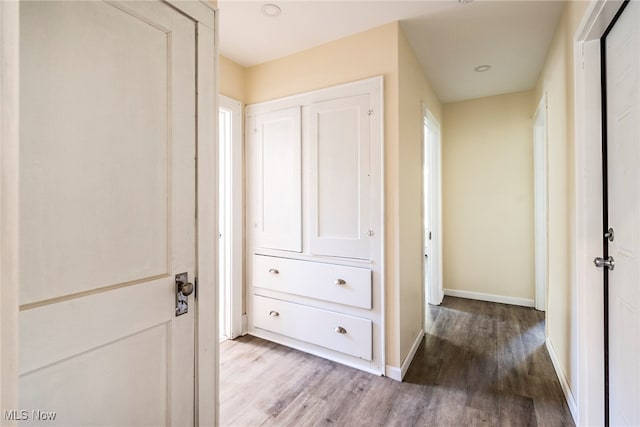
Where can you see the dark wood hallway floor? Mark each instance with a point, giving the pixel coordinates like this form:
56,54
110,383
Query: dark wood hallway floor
480,364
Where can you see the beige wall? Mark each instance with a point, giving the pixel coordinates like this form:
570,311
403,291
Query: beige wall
414,90
367,54
232,79
488,196
556,81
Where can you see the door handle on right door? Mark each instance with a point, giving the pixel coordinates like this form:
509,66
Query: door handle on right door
607,263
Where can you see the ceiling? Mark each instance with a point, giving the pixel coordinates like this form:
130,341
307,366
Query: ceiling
450,38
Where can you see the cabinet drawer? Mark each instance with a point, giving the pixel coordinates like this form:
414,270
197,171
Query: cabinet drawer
328,282
336,331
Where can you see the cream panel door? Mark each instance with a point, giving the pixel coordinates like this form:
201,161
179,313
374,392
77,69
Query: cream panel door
276,180
107,212
339,182
623,169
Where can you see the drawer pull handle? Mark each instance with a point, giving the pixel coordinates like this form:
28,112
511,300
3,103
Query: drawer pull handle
273,271
340,282
340,330
274,313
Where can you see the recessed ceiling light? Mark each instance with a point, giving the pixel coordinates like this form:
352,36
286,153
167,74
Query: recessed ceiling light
464,1
481,68
271,9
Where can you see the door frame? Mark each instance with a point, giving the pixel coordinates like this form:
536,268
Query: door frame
434,290
540,180
588,210
205,15
234,220
9,201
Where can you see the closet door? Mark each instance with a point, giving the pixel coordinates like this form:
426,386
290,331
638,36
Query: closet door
274,150
339,183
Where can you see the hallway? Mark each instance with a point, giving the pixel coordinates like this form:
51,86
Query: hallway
481,363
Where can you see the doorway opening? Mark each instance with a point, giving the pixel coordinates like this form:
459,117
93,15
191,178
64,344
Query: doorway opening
540,203
230,217
432,210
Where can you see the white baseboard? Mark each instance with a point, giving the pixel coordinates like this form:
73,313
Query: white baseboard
398,374
490,297
245,325
571,401
325,353
393,372
412,353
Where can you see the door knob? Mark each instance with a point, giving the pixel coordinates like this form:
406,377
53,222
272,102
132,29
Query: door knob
186,288
608,263
183,289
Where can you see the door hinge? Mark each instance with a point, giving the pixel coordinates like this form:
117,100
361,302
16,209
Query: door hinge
371,112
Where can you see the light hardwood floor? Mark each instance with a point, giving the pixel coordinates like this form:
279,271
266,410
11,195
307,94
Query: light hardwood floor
480,364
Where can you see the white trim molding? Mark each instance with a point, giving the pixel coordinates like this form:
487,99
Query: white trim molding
433,283
564,383
398,374
393,372
245,325
232,203
540,191
207,345
524,302
9,202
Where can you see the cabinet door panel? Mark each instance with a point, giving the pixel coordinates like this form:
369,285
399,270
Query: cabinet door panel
338,138
336,331
329,282
275,170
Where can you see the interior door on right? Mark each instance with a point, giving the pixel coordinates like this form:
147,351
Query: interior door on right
623,171
339,179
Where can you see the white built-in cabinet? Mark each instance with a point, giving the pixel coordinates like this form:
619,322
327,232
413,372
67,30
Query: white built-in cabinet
314,223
